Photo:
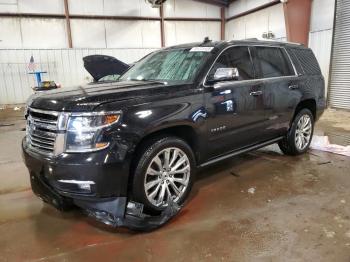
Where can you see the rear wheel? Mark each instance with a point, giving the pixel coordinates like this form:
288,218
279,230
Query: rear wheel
299,136
165,171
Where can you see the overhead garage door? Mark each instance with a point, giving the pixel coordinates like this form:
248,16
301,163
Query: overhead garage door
339,96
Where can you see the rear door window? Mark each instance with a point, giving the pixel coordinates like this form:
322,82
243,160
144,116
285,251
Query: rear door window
273,62
235,57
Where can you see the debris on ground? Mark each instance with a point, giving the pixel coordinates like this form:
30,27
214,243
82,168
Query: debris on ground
343,201
340,220
3,125
324,163
234,174
322,143
311,153
347,234
329,234
251,190
16,108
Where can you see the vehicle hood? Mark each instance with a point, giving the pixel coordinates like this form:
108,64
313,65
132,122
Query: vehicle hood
102,65
88,97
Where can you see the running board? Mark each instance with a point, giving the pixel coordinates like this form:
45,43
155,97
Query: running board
241,151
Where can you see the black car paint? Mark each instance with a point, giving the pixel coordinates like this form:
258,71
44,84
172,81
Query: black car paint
201,108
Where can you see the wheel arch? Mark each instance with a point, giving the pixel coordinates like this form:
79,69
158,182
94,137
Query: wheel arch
184,132
308,104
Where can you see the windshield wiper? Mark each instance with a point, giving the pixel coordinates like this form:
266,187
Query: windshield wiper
150,80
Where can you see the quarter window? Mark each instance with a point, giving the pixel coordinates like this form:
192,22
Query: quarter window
235,57
273,62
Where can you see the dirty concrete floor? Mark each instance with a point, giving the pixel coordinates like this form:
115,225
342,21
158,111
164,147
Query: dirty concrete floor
261,206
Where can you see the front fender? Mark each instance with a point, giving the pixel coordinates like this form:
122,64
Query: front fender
157,113
142,122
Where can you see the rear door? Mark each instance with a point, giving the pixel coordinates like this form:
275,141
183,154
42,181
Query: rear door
235,108
280,90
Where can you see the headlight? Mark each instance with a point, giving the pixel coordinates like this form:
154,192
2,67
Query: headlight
85,131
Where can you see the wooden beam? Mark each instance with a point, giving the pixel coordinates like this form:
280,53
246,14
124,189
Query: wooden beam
223,22
105,17
32,15
114,17
63,16
161,14
192,19
69,31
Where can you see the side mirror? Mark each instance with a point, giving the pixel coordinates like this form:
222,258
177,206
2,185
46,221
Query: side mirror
226,74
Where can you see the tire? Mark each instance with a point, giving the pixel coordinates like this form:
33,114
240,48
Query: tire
151,181
290,145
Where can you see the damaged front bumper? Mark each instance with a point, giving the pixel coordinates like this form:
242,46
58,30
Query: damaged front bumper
115,211
105,200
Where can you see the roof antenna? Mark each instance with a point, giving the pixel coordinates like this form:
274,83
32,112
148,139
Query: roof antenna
206,40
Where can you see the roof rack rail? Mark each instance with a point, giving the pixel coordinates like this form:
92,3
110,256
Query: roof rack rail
269,40
283,42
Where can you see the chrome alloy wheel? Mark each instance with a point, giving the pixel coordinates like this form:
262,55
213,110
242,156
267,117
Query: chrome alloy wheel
303,132
167,176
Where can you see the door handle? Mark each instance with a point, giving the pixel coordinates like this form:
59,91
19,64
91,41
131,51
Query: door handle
291,87
256,93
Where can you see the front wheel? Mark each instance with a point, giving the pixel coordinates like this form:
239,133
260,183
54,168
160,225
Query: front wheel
298,139
164,171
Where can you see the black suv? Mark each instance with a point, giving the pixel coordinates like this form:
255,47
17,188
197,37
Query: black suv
127,150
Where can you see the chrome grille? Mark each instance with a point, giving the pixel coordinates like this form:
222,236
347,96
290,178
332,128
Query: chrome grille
41,131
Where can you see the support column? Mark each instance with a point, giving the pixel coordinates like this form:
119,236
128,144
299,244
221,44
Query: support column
161,13
69,31
297,15
223,21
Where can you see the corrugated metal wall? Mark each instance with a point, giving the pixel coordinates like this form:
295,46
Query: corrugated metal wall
270,19
178,32
138,37
64,66
339,95
22,32
127,40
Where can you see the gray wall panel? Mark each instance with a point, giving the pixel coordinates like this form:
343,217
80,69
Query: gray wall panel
64,66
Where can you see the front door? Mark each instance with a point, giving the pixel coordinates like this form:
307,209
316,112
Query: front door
235,108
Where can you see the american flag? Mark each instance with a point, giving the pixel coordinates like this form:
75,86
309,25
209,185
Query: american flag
31,65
